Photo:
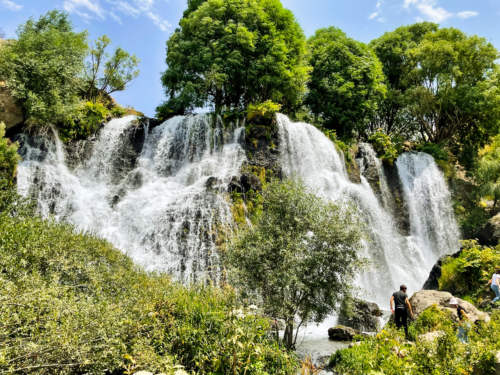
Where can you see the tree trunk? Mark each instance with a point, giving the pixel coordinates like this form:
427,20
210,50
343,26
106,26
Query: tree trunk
288,335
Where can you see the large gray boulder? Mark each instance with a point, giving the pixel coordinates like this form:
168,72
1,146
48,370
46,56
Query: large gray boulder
360,315
425,298
342,333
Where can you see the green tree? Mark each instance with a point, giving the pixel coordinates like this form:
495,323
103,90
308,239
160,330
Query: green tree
228,54
443,87
107,76
8,160
392,49
300,255
346,82
42,67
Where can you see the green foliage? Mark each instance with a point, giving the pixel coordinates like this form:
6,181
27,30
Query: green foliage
390,354
266,110
72,304
8,160
443,87
228,54
468,275
42,66
105,77
384,146
487,173
346,82
299,256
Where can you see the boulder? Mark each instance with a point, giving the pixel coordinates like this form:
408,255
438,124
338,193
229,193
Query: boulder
10,112
425,298
342,333
490,234
360,315
245,183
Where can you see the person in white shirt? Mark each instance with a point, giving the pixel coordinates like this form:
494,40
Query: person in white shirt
495,284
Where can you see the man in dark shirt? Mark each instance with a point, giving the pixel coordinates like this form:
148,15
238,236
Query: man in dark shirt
399,303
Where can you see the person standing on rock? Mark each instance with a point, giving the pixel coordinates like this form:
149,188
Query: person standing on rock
495,285
399,305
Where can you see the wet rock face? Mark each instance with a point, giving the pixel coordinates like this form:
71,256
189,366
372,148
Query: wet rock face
432,282
261,145
360,315
490,233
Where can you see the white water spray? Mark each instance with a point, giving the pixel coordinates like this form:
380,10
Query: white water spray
159,212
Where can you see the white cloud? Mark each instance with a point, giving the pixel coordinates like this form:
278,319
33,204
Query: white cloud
378,12
116,9
11,5
430,11
84,8
467,14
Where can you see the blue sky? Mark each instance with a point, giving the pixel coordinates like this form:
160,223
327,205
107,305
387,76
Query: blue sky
143,26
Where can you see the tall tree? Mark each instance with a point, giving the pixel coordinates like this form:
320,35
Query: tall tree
392,49
105,74
300,256
346,82
43,66
228,54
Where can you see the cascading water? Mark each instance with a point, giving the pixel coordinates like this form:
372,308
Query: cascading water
161,211
393,257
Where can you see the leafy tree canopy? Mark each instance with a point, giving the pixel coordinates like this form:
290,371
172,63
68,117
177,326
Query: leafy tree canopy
42,67
443,87
107,76
227,54
300,255
346,82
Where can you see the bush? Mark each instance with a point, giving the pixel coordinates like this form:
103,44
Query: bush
265,110
72,304
390,354
384,146
8,159
467,275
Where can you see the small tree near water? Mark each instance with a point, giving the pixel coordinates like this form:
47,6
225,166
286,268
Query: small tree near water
300,256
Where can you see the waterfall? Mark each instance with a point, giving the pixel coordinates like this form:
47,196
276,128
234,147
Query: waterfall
433,228
156,206
393,257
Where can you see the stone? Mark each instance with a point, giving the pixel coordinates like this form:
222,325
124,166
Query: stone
490,233
430,336
10,112
342,333
497,364
212,183
249,181
360,315
423,299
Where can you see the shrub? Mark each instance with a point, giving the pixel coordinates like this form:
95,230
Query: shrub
265,110
73,304
468,274
384,146
390,354
8,159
